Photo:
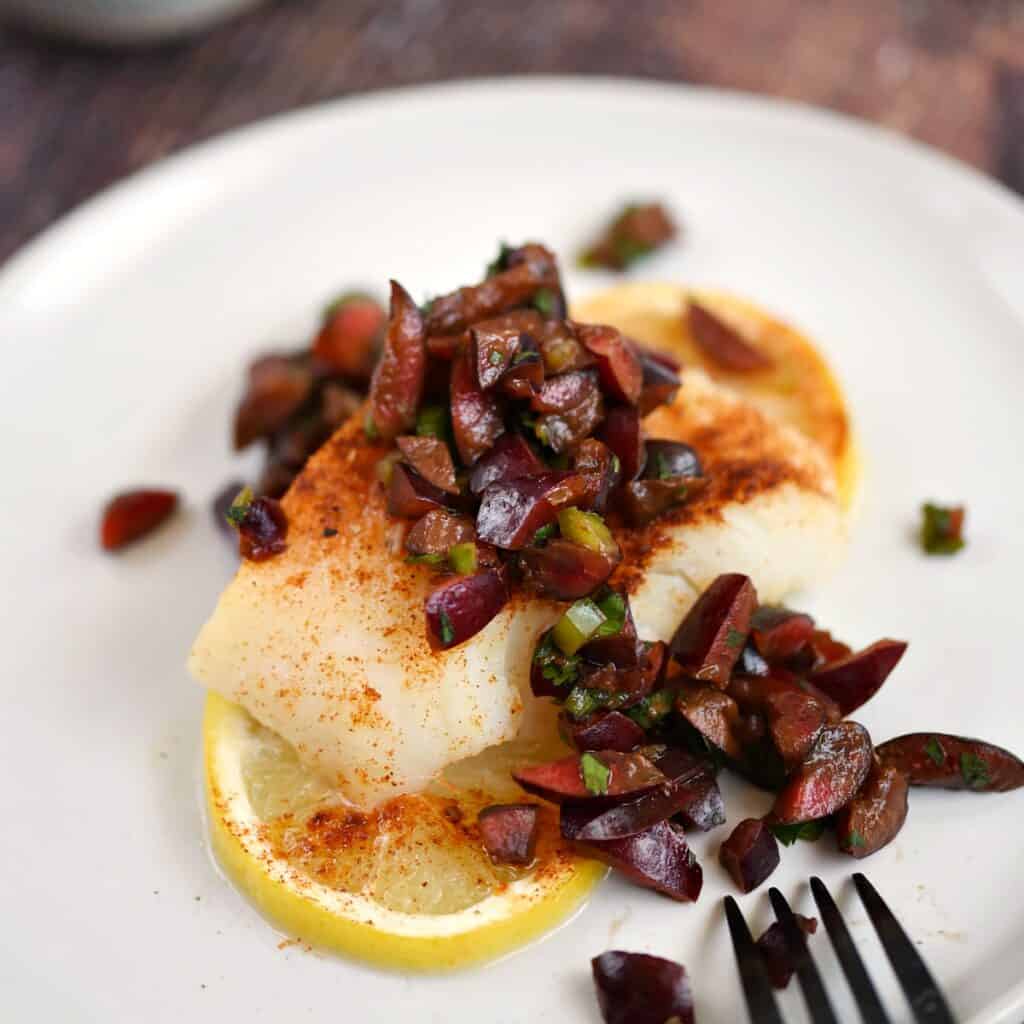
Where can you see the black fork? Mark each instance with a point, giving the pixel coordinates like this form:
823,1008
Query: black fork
926,1001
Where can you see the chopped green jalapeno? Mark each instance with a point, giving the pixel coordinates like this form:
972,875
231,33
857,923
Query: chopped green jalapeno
578,624
240,507
587,529
463,558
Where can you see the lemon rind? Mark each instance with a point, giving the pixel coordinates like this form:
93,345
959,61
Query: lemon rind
354,925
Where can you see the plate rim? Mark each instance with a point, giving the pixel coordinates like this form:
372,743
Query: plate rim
121,197
121,193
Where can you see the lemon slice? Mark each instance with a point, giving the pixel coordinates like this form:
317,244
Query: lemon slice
800,388
407,886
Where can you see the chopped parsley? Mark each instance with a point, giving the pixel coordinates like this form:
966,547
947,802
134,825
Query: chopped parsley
500,262
855,840
974,770
596,775
652,709
734,639
662,467
447,630
556,667
428,559
544,301
495,358
239,511
545,533
582,702
806,830
933,748
613,607
372,433
330,531
942,528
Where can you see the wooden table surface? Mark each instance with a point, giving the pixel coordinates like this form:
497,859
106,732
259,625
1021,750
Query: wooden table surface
72,120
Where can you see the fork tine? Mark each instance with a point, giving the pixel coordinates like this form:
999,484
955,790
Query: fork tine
818,1005
870,1006
926,1001
757,989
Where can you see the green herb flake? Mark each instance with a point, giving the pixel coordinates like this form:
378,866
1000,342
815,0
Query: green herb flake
652,709
974,770
544,534
613,608
330,531
582,702
495,358
855,840
447,630
662,467
435,560
933,748
941,528
426,306
372,433
239,510
500,262
734,639
596,775
544,301
432,421
616,464
556,667
809,831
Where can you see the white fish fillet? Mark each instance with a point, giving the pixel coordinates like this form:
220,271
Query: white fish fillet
326,643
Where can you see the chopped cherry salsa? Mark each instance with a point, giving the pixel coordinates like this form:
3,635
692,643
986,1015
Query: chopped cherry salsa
635,232
294,401
753,687
133,514
261,525
514,439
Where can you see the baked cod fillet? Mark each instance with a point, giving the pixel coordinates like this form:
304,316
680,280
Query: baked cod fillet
326,642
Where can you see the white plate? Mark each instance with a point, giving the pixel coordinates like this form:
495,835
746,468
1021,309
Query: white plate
125,331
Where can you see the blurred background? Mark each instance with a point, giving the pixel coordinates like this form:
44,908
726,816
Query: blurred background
91,90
